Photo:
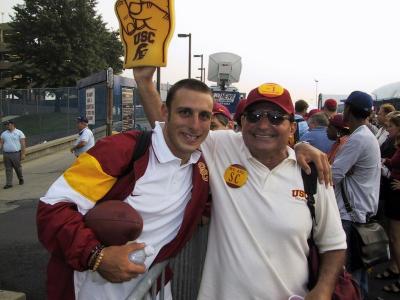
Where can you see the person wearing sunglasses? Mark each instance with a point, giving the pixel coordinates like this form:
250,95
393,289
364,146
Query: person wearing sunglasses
259,218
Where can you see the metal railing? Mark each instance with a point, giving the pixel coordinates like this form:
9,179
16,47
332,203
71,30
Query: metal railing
147,287
187,268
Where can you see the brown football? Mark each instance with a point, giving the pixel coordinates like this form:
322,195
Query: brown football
114,222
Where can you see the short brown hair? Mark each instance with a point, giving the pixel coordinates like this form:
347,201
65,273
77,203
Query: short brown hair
189,84
300,105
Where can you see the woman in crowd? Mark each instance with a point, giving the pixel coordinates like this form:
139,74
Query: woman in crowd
392,202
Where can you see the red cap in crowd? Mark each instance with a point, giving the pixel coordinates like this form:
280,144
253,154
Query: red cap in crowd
330,104
338,122
273,93
239,110
218,108
313,112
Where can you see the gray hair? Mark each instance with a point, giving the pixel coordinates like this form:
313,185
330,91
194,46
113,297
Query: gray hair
319,119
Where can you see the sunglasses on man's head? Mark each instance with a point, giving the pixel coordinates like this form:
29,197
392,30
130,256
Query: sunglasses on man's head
274,117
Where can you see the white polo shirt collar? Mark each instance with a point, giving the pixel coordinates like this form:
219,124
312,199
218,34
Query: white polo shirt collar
161,149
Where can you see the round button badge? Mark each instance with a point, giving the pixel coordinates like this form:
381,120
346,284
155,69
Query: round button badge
235,176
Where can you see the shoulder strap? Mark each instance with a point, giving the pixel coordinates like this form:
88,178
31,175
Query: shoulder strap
142,144
347,204
310,187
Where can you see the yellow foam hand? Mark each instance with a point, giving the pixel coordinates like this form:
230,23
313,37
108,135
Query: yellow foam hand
146,28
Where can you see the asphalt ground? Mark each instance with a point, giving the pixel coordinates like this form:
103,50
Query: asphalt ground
22,258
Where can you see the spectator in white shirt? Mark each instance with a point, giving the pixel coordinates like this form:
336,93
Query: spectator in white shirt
85,139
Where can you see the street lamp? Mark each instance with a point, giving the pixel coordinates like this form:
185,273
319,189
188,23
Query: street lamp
189,35
316,91
201,66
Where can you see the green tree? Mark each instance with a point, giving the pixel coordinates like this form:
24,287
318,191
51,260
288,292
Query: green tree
58,42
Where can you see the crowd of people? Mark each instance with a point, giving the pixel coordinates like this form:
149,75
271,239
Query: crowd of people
244,172
364,151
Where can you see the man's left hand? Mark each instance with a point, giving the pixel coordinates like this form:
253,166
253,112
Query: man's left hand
22,156
317,295
306,153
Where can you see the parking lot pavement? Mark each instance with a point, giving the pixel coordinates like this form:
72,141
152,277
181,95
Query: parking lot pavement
39,174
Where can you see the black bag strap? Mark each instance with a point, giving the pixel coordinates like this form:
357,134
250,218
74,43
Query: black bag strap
142,144
346,201
369,216
310,187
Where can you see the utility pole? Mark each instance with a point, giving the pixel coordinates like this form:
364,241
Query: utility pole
110,88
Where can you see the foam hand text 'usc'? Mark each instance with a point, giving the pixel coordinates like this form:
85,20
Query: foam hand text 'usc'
146,28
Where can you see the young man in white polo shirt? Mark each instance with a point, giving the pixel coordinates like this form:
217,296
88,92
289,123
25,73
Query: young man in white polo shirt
260,222
167,185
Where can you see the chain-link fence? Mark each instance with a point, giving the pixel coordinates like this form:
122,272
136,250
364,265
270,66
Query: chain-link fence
48,114
42,114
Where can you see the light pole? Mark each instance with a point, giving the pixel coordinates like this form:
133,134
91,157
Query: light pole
189,35
316,91
201,66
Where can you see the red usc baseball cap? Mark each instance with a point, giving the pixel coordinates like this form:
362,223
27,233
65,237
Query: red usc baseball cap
273,93
218,108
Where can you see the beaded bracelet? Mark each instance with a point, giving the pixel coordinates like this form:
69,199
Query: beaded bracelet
93,255
98,261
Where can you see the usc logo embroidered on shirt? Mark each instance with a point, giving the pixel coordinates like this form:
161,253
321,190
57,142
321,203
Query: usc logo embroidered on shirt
299,195
203,171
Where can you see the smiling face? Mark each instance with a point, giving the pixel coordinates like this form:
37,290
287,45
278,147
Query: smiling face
263,139
187,121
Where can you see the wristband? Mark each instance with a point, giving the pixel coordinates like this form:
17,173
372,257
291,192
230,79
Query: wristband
98,261
94,254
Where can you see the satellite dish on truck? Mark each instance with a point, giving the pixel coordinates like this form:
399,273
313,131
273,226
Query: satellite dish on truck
224,68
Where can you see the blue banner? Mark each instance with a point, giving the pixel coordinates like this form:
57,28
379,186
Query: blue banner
229,99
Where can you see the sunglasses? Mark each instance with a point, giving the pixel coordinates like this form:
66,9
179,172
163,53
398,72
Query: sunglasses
274,117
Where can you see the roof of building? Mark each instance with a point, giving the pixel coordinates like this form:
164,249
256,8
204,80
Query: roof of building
388,91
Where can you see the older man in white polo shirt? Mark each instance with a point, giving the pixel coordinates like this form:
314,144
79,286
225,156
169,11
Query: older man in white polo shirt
13,143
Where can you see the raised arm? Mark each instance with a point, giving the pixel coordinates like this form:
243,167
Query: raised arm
151,99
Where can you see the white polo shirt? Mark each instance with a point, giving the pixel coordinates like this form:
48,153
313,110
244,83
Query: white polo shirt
160,196
12,140
85,135
257,244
